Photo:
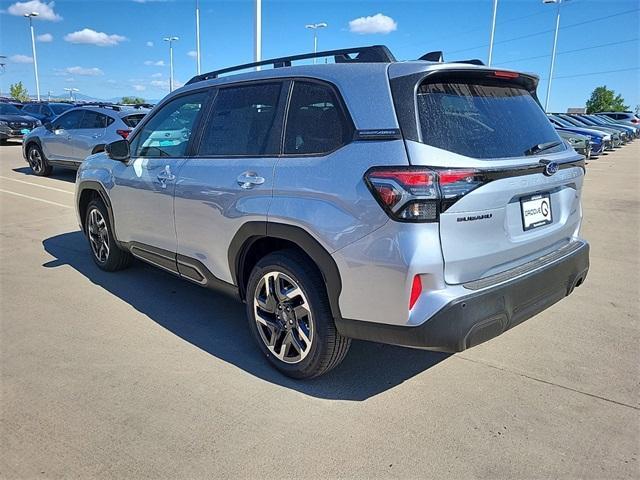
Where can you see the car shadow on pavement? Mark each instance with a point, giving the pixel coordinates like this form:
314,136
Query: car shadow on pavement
64,174
217,324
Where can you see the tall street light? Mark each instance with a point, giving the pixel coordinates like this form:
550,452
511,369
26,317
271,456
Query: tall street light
71,91
171,40
257,32
315,27
33,47
553,52
493,31
198,37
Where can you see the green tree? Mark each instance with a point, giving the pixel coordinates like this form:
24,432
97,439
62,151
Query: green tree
133,100
18,92
605,100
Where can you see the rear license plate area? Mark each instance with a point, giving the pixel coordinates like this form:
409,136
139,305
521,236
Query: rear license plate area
536,211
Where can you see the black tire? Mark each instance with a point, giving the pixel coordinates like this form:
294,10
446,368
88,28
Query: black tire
112,258
37,161
327,347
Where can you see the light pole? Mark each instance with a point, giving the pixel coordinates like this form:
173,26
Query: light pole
553,51
2,69
71,90
171,40
493,31
33,47
198,37
257,33
315,27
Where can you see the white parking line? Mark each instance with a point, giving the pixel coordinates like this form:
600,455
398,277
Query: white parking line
37,185
35,198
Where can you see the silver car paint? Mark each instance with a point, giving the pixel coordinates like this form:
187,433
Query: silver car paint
377,257
74,145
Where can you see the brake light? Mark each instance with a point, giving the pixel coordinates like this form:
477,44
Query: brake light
635,120
503,74
123,133
416,290
414,194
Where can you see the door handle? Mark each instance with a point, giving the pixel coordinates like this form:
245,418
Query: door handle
97,135
248,180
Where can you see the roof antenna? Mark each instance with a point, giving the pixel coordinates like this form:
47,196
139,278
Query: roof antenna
433,57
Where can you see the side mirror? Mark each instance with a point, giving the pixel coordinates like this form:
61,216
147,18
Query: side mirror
118,150
48,126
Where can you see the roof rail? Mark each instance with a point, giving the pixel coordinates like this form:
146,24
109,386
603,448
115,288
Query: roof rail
372,54
99,104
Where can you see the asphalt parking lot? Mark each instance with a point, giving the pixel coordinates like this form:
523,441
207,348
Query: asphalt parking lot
141,375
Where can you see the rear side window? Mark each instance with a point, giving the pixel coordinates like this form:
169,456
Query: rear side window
167,133
95,120
242,121
315,122
483,120
132,120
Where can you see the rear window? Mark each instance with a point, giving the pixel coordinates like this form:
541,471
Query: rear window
483,120
133,120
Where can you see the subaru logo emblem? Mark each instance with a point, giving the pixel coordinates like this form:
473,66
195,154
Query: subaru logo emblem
550,168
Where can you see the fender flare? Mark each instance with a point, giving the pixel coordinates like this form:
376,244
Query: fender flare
250,232
97,187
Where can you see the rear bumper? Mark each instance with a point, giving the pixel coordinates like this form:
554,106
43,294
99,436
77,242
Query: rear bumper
483,313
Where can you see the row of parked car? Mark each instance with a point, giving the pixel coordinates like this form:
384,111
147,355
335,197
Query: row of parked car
65,134
593,134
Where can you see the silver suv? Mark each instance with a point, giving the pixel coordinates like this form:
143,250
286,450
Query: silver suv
423,204
79,132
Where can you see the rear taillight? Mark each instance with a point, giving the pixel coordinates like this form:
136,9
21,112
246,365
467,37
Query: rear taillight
420,194
635,120
123,133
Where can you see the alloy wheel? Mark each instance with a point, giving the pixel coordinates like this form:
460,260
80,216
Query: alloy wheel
98,235
283,317
35,160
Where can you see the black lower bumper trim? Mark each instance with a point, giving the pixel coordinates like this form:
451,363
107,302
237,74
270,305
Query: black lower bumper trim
482,315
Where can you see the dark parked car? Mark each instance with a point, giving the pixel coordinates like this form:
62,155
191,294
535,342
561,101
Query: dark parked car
45,112
14,123
600,141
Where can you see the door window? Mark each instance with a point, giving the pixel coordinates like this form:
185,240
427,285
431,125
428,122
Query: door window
243,121
69,121
167,133
315,122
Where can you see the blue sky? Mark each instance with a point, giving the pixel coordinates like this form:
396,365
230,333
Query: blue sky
114,48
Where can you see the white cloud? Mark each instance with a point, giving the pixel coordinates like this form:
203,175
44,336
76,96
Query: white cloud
112,81
139,88
156,75
149,43
44,10
164,84
377,23
45,38
20,59
152,63
192,53
91,37
69,79
90,72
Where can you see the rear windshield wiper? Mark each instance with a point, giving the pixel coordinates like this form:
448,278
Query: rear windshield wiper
541,147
